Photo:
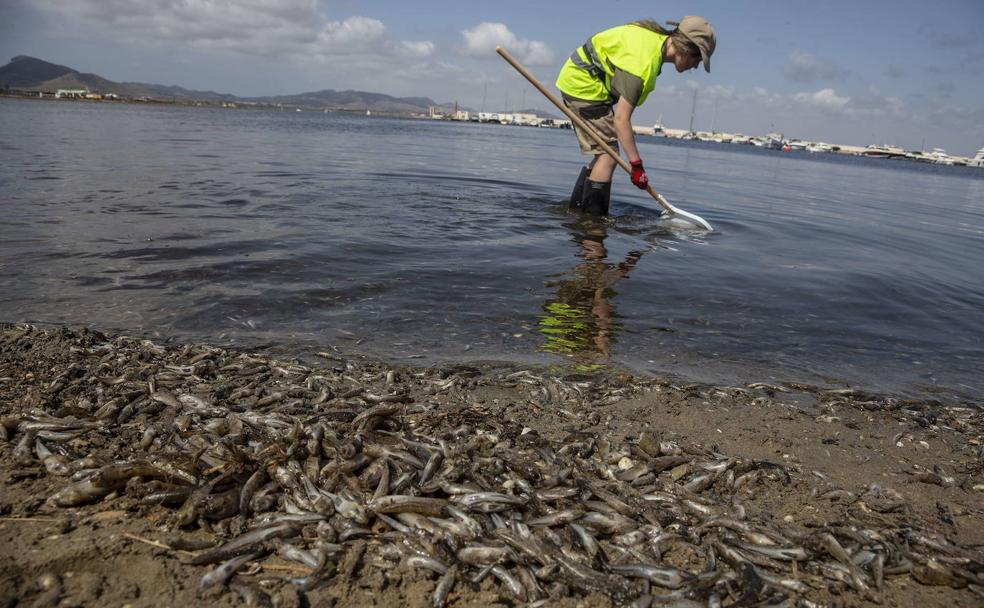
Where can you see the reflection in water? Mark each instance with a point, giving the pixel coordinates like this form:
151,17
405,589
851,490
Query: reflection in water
581,321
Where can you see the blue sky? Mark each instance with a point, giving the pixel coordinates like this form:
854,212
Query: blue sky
907,72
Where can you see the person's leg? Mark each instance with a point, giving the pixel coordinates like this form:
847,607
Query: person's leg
577,194
603,169
597,196
598,187
595,192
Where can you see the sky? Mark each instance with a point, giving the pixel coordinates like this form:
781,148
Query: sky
901,72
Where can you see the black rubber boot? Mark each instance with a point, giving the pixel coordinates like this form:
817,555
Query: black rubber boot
597,196
577,195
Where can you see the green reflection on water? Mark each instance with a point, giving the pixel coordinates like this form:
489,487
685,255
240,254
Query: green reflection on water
581,320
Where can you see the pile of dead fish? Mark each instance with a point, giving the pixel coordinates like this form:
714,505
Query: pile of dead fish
309,464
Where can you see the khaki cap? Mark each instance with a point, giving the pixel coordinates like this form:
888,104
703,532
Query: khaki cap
699,31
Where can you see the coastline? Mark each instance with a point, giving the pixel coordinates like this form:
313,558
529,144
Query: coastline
791,462
869,151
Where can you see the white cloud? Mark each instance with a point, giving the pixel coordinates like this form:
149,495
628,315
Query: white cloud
417,49
481,40
872,102
349,36
808,69
264,28
825,99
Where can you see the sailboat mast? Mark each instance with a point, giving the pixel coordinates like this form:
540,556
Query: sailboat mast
693,109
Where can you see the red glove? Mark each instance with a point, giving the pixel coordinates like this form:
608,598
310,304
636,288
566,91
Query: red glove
639,177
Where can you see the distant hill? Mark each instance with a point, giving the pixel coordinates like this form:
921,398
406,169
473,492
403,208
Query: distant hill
76,80
538,113
351,100
32,74
23,72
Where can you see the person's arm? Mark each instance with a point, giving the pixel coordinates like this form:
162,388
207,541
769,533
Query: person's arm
623,128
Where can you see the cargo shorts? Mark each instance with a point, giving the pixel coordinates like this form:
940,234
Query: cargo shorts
600,116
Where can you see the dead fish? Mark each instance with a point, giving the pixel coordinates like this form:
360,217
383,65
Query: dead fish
433,463
314,560
557,518
782,553
396,503
512,584
609,524
587,542
613,501
222,573
556,493
427,563
439,598
663,576
246,542
934,573
55,464
79,493
488,501
416,520
166,398
257,479
480,555
349,509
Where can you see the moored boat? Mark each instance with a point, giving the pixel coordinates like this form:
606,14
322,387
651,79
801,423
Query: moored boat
883,151
978,160
940,157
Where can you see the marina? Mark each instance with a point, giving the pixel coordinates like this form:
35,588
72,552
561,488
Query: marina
772,141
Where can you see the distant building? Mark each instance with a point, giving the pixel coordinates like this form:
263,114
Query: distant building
71,93
525,119
438,112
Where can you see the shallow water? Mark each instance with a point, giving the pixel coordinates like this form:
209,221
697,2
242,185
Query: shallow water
428,242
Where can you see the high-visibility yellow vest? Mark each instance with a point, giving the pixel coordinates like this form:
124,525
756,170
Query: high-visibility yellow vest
587,73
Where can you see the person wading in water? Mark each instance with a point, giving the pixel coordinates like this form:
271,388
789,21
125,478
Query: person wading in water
611,75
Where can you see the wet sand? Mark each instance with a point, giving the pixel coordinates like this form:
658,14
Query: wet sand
818,461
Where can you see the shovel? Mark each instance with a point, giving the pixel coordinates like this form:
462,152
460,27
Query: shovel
585,127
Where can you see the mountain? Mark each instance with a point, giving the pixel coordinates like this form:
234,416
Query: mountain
23,72
32,74
350,100
538,113
75,80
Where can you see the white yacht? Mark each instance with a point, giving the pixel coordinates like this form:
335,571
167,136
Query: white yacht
819,146
940,157
773,141
919,156
978,160
877,151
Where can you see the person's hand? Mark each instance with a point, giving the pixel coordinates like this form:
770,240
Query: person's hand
639,177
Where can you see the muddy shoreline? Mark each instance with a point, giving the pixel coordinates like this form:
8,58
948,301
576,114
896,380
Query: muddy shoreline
695,473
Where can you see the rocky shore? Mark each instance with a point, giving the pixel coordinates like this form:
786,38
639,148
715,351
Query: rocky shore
141,473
